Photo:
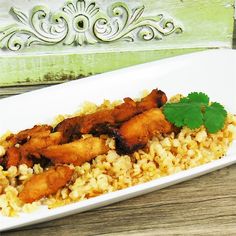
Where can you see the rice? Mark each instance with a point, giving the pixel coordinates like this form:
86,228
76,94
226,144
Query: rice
164,155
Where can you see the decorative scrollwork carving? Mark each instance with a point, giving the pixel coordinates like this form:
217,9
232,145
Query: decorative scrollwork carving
79,23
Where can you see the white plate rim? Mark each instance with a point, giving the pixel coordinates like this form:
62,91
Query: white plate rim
131,191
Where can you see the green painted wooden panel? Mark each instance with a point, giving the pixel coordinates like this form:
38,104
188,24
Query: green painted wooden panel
53,68
49,41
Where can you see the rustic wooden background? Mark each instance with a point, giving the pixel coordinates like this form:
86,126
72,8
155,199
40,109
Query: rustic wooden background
202,206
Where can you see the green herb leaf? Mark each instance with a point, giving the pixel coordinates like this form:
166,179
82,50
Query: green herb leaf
214,117
181,114
194,111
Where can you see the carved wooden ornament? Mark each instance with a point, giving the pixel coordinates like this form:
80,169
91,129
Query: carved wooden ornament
81,22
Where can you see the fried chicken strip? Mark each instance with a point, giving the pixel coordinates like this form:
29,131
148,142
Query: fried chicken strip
77,152
24,135
135,133
46,183
96,122
12,157
33,145
24,153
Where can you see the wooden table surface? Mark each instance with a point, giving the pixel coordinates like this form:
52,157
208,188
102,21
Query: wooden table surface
202,206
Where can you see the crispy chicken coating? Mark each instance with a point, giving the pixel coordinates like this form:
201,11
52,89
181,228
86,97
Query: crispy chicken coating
37,143
98,121
46,183
135,133
24,153
12,157
77,152
24,135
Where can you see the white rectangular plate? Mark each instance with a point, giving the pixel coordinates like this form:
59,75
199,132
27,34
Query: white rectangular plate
212,72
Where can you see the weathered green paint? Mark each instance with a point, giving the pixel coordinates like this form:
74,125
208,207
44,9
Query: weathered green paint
36,70
205,24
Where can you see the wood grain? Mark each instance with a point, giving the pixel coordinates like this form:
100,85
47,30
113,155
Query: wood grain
202,206
13,90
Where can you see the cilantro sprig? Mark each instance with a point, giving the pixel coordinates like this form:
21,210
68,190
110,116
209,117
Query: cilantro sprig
196,110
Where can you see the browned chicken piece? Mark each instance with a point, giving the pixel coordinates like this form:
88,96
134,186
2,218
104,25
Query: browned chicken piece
155,99
46,183
24,153
77,152
12,157
97,122
24,135
135,133
35,144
